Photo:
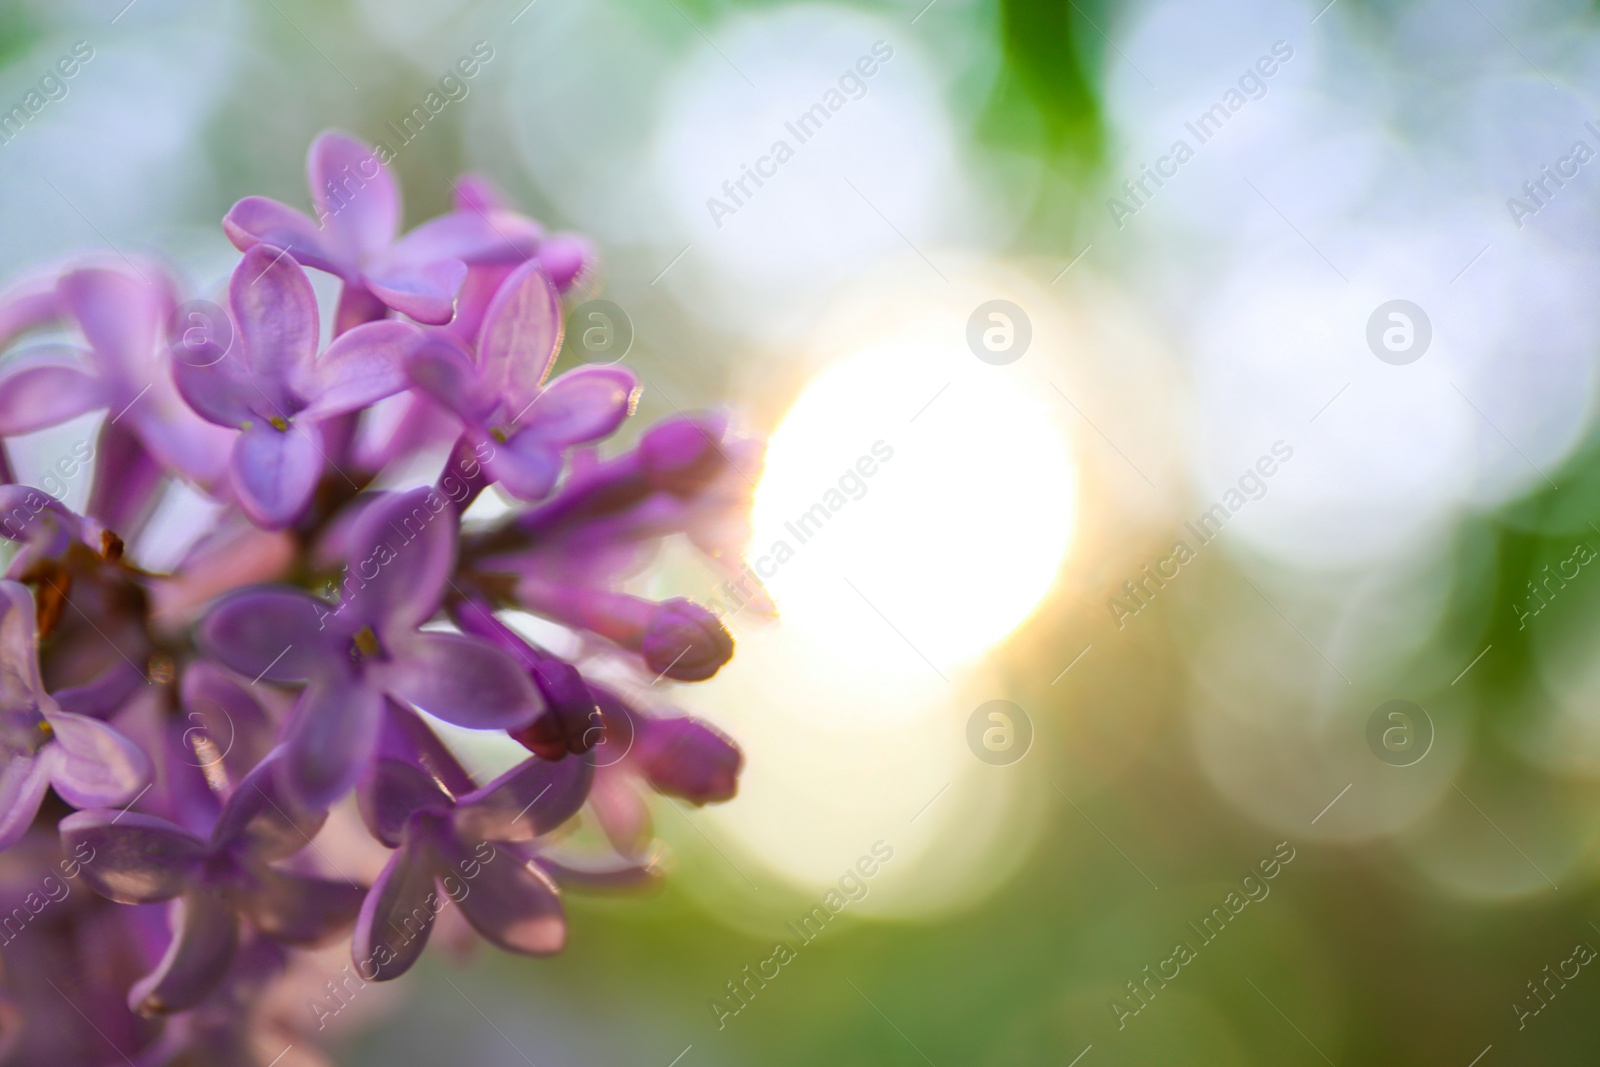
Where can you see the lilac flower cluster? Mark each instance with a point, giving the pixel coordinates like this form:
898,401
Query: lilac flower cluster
179,741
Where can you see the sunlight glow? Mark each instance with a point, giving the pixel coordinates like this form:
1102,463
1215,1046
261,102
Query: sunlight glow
913,540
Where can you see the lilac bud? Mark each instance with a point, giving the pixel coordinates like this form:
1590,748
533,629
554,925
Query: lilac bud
686,758
685,641
680,455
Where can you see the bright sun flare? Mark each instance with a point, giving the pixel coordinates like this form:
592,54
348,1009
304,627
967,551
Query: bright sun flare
913,539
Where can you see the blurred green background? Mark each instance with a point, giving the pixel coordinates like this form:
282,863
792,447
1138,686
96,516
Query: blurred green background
1422,545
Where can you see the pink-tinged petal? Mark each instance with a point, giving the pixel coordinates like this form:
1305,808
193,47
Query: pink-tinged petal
274,472
475,192
360,368
398,913
526,466
105,694
205,937
463,680
20,684
225,723
123,317
29,304
472,237
407,738
400,551
621,810
297,908
532,798
256,220
262,820
271,632
427,292
521,335
225,392
444,370
32,515
275,312
97,766
610,874
127,477
184,442
24,780
511,902
134,858
565,258
583,405
355,196
43,388
393,793
332,740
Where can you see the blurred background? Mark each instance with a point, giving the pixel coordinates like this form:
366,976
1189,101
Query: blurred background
1182,500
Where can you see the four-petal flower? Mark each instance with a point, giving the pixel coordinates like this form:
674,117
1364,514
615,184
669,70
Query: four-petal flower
141,859
358,216
274,390
400,551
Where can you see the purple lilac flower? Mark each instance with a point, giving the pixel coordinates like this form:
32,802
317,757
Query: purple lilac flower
204,705
275,390
141,859
500,396
121,314
354,236
351,654
471,850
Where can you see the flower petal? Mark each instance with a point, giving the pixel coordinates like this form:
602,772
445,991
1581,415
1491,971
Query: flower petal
526,466
360,368
583,405
521,335
426,292
472,237
511,902
400,551
122,316
300,909
256,220
205,937
275,312
227,724
397,915
224,392
20,685
443,369
355,196
532,798
393,793
105,694
98,767
332,739
463,680
565,258
44,388
268,631
134,858
263,821
34,516
128,477
24,780
274,472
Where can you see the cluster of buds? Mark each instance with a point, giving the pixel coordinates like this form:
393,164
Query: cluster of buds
274,592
